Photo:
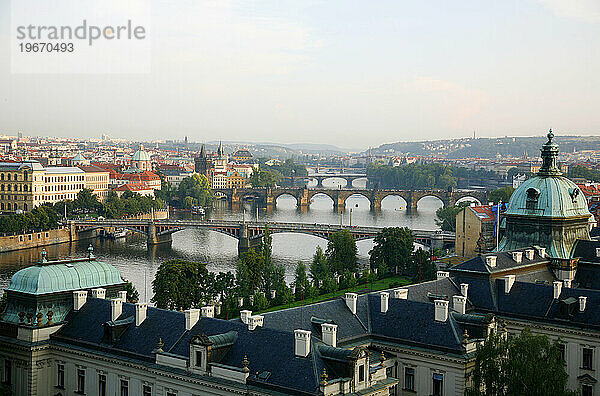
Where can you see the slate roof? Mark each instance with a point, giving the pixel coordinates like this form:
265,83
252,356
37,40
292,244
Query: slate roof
504,262
586,250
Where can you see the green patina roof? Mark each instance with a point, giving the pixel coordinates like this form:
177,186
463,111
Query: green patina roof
61,276
141,155
558,197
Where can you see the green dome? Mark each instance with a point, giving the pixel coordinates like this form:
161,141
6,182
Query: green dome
64,276
141,155
548,196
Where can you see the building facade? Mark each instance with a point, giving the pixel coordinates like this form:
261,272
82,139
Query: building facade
97,180
21,186
475,230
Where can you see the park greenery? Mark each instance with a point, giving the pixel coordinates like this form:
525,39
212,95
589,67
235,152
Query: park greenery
502,194
423,176
264,178
259,284
286,168
48,216
526,364
192,191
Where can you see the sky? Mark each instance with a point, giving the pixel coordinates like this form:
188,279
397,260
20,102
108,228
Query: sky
351,73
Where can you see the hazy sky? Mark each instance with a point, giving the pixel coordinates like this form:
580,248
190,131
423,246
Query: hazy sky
350,73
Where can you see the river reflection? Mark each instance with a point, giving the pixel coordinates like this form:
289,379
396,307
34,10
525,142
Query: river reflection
139,264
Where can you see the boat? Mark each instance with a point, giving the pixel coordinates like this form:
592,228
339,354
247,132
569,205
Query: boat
198,210
119,233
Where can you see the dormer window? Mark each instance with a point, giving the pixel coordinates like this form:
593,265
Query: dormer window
361,373
533,195
198,358
574,193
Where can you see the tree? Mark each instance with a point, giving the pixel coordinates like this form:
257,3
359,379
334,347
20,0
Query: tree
392,248
446,217
341,252
518,365
422,269
319,267
300,280
181,284
501,194
87,201
132,294
264,178
224,284
194,190
5,390
249,275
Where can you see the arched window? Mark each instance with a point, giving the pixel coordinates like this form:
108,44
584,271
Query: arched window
25,207
533,194
8,176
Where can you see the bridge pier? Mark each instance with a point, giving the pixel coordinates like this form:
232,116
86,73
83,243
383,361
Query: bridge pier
303,199
244,242
339,203
153,238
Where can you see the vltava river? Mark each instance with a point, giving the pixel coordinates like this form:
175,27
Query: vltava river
219,251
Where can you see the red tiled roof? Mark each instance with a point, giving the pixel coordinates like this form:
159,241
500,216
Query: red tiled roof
484,212
133,187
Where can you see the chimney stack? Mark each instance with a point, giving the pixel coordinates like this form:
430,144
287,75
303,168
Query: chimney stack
567,283
255,321
302,344
557,288
98,293
517,256
79,299
597,252
460,304
116,308
542,252
208,311
441,310
490,261
509,281
123,295
244,315
191,318
329,331
464,289
401,293
582,302
530,254
384,298
351,300
442,274
141,309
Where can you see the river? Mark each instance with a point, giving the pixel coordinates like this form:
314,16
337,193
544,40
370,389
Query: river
219,251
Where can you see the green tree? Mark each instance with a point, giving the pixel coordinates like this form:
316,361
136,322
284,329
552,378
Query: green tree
264,178
194,190
348,280
392,248
5,390
181,284
319,267
87,201
300,280
446,217
341,252
504,366
132,294
422,269
249,274
224,284
501,194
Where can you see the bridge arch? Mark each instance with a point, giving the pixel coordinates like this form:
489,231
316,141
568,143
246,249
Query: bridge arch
344,184
357,195
468,198
402,204
284,194
351,182
323,193
434,195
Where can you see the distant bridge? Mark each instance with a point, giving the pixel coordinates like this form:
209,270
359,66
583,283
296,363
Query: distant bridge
320,177
304,196
250,234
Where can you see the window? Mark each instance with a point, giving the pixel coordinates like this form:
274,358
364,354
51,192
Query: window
7,372
124,388
562,351
80,381
101,385
409,379
146,390
198,358
588,355
361,373
438,384
587,390
60,380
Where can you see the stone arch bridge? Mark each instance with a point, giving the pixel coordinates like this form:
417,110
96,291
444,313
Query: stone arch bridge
250,234
304,196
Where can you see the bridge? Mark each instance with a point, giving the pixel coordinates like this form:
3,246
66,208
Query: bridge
320,177
250,234
304,196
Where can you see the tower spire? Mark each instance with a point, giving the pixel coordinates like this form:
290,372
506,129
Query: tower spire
549,158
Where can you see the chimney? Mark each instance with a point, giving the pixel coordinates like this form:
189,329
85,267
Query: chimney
597,252
542,252
517,256
79,299
441,310
557,288
116,308
351,300
490,261
191,318
98,293
141,309
302,344
442,274
208,311
464,289
529,253
384,298
582,302
123,295
329,331
273,294
567,283
255,321
509,281
401,293
244,315
460,304
240,301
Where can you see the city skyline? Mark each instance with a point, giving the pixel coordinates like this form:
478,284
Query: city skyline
332,73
